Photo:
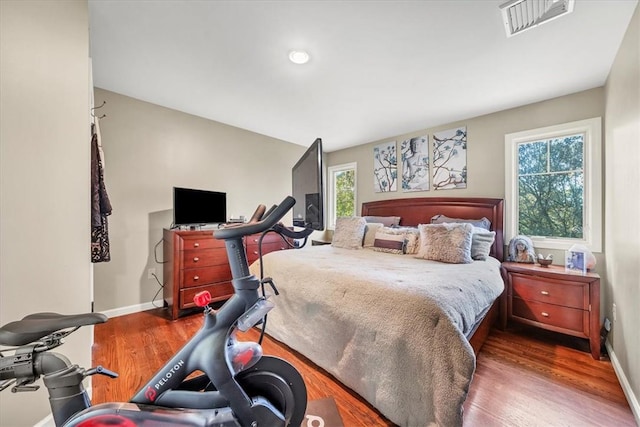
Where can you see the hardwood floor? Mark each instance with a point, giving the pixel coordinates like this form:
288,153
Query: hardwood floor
524,377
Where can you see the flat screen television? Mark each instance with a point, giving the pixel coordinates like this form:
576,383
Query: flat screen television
308,190
197,207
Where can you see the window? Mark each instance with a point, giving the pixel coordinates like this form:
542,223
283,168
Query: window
342,192
553,185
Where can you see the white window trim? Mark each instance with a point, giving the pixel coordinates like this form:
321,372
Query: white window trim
592,128
331,196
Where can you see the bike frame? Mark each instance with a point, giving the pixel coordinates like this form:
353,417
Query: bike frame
217,395
207,351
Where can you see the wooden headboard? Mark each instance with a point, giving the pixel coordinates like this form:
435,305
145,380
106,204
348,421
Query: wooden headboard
416,211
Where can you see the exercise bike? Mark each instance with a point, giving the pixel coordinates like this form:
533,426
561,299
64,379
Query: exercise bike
238,385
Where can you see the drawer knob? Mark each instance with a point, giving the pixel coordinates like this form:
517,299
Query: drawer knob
196,259
545,314
196,245
255,252
196,277
544,292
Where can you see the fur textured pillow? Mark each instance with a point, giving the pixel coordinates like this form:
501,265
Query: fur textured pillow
349,232
481,242
447,242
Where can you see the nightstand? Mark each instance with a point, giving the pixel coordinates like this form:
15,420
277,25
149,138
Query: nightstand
554,299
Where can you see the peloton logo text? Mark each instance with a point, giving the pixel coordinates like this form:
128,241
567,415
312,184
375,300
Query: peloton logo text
169,374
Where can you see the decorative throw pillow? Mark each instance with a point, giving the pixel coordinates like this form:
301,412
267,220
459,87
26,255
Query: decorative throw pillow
388,242
481,242
482,222
349,232
446,242
411,236
370,233
387,221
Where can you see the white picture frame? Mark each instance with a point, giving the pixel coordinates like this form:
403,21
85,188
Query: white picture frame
575,261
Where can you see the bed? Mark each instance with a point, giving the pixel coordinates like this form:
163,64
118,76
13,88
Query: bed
401,332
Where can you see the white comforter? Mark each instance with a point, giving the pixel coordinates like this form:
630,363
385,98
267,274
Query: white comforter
390,327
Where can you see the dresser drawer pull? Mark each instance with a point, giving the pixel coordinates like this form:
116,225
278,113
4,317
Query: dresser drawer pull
196,259
196,245
544,292
255,252
545,314
195,278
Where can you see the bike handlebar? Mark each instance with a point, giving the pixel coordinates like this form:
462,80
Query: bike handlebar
257,224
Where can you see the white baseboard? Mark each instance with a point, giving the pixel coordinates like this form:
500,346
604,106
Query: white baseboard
121,311
624,383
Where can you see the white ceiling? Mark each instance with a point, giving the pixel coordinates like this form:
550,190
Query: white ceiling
377,68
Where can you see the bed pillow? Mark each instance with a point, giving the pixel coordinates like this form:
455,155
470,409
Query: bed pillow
349,232
370,230
481,223
411,235
449,242
481,242
389,242
387,221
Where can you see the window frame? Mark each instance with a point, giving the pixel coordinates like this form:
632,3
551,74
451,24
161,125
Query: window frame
331,191
592,169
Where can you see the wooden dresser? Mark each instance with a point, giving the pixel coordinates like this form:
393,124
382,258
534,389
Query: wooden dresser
554,299
195,261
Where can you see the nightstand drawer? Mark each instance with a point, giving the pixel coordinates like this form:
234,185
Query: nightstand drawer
564,293
554,315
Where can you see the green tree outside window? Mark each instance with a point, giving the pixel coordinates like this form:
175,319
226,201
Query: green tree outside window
551,187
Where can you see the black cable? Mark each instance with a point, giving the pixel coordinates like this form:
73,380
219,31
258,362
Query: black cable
161,288
155,252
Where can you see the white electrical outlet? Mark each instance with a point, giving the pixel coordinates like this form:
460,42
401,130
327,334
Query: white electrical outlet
150,273
615,317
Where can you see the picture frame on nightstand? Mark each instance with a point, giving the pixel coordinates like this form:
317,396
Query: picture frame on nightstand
575,261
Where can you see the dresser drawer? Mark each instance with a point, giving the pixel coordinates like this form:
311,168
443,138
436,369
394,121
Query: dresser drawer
218,292
253,239
266,248
201,242
568,294
204,257
549,314
190,277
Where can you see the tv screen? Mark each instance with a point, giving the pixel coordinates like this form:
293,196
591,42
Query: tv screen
308,212
191,206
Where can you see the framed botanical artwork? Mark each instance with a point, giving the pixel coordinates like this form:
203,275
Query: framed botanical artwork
450,159
575,261
385,167
414,154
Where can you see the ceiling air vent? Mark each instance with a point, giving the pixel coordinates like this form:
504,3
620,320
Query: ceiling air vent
522,15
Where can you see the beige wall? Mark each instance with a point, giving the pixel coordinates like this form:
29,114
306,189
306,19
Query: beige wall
485,148
622,206
44,176
149,150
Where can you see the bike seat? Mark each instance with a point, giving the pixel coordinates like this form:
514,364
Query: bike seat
38,325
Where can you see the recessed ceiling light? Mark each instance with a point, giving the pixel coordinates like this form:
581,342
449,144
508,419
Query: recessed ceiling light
298,56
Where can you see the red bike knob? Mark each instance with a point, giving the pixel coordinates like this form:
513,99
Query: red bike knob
202,299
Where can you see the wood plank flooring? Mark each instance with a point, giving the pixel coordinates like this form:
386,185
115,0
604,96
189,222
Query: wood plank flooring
524,377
